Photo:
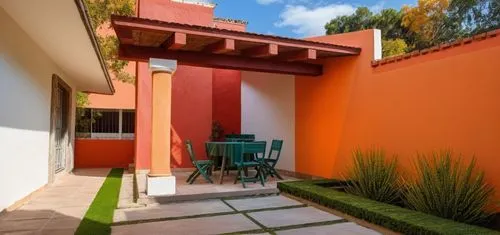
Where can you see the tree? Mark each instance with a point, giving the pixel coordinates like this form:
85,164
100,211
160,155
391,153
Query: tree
393,47
388,20
100,12
426,20
428,23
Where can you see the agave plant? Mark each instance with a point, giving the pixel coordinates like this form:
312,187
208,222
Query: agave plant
445,188
373,176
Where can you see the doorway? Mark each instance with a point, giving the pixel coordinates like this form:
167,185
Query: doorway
60,127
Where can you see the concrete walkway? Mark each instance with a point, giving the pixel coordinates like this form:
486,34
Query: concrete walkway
59,208
257,215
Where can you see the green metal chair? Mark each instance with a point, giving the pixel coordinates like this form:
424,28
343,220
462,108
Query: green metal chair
202,166
258,149
270,162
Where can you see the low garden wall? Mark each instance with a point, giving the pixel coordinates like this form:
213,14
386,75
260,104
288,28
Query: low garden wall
103,153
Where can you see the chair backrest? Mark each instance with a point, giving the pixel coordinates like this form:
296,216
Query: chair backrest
275,151
189,147
235,150
240,137
258,148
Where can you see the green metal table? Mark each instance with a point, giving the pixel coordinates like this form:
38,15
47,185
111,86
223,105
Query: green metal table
229,151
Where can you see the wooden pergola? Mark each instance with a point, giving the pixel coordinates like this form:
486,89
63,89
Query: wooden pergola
142,39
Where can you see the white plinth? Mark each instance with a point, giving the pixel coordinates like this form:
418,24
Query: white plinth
161,185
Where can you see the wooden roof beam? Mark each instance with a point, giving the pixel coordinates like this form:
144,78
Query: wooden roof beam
176,41
301,55
261,51
220,47
221,61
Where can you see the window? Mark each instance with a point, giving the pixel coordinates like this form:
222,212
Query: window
105,123
128,121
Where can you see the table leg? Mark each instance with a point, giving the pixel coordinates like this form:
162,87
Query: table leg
222,167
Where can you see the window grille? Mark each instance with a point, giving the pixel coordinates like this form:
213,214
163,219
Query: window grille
105,123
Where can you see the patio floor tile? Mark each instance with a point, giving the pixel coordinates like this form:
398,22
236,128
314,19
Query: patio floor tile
341,228
296,216
262,202
22,225
171,210
28,215
206,225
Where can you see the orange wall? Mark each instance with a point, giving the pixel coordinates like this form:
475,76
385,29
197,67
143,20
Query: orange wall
446,99
103,153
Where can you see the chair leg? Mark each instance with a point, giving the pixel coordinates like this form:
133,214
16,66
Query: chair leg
275,172
237,176
261,176
194,177
191,176
242,179
203,172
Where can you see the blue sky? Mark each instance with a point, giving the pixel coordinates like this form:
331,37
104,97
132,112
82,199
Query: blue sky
295,18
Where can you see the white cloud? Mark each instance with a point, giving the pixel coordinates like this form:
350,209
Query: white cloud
307,21
377,7
267,2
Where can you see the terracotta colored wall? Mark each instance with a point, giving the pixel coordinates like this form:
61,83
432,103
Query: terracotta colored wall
229,25
191,112
446,99
103,153
227,99
191,95
227,90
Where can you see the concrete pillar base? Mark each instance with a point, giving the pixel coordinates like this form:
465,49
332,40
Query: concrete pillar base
160,185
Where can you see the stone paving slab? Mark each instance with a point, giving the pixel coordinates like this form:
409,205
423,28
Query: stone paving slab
341,228
206,225
171,210
59,208
262,202
295,216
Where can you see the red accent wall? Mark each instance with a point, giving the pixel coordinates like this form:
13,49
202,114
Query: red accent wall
227,99
91,153
191,90
191,112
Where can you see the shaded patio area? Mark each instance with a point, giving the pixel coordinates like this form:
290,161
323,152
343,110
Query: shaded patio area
58,208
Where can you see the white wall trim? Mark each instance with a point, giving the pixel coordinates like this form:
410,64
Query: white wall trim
377,44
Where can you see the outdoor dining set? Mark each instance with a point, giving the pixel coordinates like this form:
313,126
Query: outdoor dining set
240,152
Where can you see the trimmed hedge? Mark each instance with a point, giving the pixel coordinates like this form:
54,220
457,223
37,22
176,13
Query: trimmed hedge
389,216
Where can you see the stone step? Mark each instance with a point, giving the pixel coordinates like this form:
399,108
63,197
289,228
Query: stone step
144,199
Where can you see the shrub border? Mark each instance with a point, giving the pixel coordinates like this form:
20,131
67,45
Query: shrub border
389,216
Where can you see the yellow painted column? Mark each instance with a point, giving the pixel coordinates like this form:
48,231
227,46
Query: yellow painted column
160,178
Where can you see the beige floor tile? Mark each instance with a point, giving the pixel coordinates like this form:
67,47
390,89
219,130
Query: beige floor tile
207,225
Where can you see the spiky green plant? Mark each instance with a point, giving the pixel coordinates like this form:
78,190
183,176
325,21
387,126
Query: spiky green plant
373,176
445,188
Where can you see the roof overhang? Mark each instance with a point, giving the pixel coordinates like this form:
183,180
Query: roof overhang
61,28
141,39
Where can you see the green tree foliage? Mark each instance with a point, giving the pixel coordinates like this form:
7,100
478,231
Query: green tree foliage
428,23
445,188
388,20
100,12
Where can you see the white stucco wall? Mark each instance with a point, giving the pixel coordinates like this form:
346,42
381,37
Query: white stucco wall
25,98
268,111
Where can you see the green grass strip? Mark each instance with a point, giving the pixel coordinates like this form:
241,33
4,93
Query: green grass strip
99,216
393,217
